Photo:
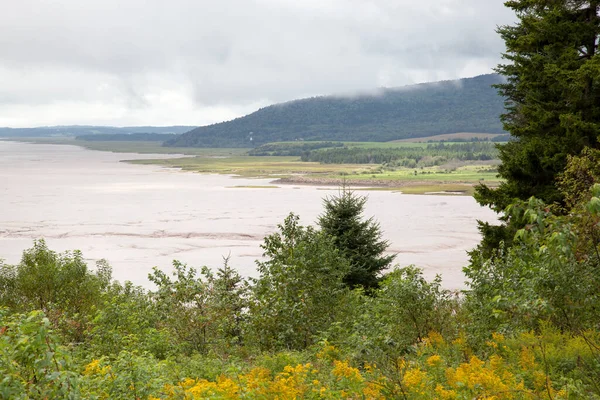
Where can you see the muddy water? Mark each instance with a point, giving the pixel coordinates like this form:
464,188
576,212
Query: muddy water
138,217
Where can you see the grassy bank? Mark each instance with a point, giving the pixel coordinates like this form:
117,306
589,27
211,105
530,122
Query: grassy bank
453,177
288,170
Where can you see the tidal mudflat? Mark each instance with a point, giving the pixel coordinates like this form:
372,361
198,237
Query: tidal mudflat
140,216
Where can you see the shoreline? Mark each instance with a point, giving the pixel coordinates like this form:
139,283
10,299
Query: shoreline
403,186
394,183
276,176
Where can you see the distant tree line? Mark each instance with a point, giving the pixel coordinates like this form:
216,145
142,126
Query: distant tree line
128,137
83,130
291,148
497,138
432,154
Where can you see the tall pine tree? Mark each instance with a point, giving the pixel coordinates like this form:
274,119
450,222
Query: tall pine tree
359,240
552,93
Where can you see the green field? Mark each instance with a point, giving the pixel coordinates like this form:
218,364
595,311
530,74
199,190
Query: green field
433,179
385,145
452,136
255,167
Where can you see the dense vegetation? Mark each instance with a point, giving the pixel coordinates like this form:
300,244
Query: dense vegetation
321,320
467,105
552,89
81,130
411,157
291,148
527,327
498,138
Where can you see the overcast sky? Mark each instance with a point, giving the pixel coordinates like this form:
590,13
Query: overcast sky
195,62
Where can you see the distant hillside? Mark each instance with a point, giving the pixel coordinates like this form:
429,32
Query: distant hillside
465,105
82,130
128,137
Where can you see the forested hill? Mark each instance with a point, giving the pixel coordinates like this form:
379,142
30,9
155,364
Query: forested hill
465,105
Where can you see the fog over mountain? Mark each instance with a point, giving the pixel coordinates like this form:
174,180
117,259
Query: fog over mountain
190,62
465,105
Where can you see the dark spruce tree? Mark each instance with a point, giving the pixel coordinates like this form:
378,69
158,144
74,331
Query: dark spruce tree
359,240
552,103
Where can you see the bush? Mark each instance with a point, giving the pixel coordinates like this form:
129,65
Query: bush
61,285
402,312
550,273
300,288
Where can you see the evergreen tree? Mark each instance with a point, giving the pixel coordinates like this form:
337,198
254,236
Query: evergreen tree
552,93
359,240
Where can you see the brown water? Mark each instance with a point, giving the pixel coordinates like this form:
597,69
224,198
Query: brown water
138,216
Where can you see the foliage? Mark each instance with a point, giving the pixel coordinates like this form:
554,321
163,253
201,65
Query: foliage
58,284
467,105
130,375
527,328
360,241
200,310
580,174
551,92
291,148
299,289
547,365
128,319
411,157
548,274
207,336
400,313
33,365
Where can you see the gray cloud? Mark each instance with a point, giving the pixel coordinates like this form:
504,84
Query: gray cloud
195,62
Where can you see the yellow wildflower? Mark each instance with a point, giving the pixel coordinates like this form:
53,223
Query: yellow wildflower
328,352
498,337
451,376
92,367
445,394
341,369
435,338
413,378
496,362
475,376
540,380
291,383
227,387
372,391
527,358
256,378
434,360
